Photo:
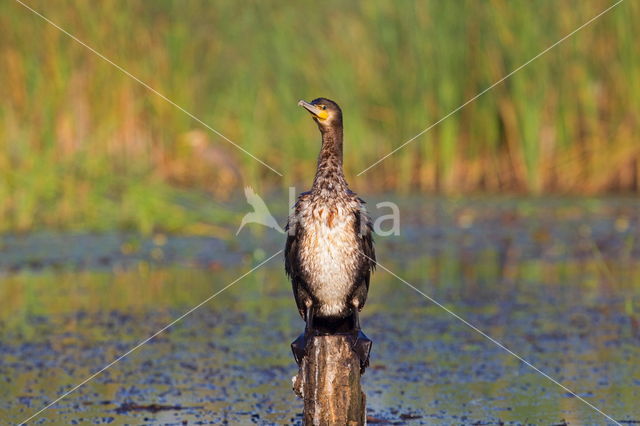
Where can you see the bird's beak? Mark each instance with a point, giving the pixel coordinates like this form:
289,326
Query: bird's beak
314,110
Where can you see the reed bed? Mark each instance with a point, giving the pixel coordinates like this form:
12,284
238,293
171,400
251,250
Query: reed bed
84,146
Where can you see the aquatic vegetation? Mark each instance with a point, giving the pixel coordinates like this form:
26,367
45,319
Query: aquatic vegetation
84,146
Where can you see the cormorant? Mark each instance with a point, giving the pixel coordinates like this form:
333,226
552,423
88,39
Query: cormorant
329,252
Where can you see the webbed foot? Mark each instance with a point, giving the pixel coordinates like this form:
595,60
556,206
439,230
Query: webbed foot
361,345
298,347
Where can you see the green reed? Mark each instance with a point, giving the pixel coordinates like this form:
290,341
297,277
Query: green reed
84,146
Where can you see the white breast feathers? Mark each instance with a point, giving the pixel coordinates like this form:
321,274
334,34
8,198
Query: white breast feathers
329,253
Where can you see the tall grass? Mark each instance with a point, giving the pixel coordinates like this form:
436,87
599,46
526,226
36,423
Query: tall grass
83,145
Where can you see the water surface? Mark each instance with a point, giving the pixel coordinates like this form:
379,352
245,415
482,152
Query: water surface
556,281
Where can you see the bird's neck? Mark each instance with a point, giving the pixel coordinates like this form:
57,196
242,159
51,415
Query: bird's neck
329,174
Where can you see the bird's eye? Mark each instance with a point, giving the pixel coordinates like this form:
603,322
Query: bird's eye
324,107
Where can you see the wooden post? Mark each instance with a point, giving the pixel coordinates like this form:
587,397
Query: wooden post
329,383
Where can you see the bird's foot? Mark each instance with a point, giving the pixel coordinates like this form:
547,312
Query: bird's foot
299,348
361,345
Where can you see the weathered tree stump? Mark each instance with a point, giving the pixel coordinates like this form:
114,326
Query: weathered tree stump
329,382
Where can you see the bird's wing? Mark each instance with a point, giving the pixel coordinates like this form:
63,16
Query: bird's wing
291,252
364,231
291,263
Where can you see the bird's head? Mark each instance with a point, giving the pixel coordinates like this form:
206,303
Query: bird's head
325,112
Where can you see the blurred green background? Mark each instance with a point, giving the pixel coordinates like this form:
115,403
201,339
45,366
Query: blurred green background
83,146
520,212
